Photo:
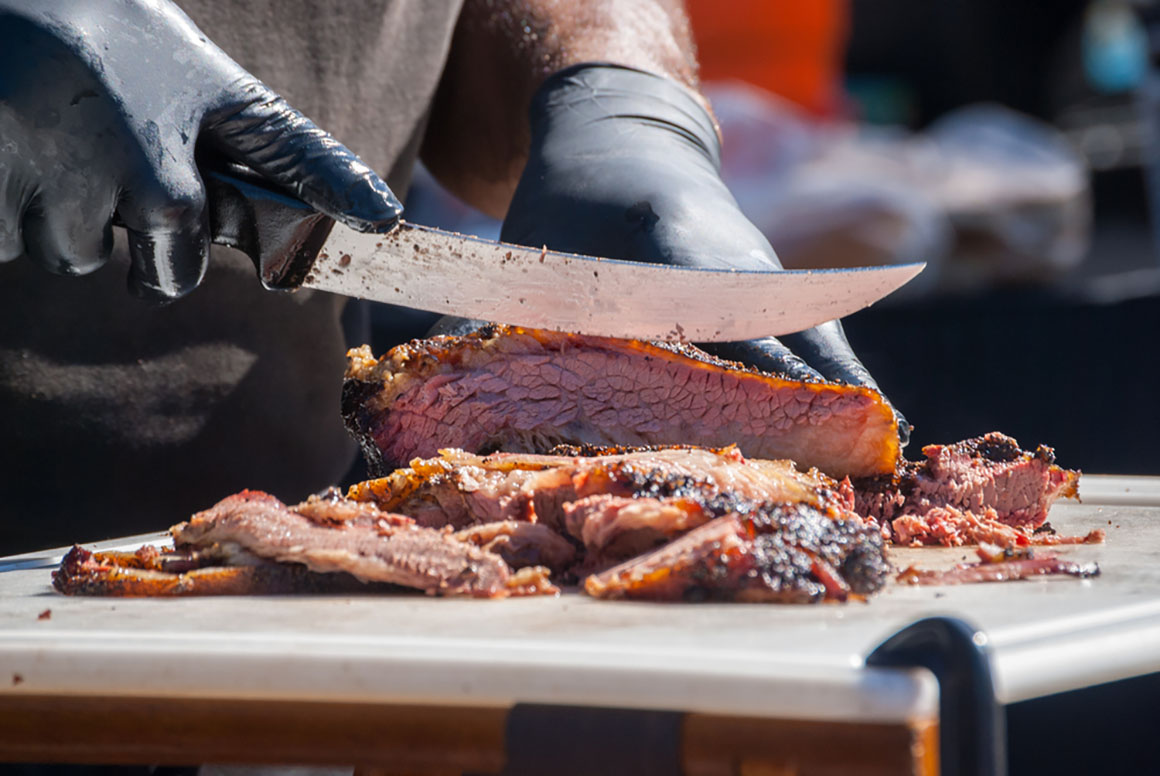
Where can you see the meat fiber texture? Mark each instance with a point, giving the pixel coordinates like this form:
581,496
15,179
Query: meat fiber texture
670,520
711,523
333,535
150,572
985,489
525,390
522,390
782,553
661,524
613,506
980,490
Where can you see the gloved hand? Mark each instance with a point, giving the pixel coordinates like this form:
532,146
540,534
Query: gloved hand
626,164
102,103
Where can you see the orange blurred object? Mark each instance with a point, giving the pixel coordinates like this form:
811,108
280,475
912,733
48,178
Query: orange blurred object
794,48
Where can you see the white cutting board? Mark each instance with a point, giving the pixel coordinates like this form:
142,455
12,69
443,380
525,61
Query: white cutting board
805,662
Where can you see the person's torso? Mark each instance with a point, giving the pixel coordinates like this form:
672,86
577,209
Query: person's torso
119,417
363,70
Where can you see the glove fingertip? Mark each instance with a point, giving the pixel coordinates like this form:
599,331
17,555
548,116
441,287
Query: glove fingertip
369,205
165,266
64,241
265,133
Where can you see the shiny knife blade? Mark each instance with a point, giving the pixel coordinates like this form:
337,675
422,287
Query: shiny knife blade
294,246
431,269
52,558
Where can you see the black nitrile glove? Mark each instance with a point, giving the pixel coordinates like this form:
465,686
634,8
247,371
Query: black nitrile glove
626,164
102,103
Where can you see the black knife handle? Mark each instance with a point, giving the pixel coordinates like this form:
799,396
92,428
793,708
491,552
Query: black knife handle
281,234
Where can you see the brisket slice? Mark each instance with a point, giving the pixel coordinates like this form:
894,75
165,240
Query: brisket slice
990,472
682,522
524,390
335,536
951,527
461,489
170,573
783,553
984,489
615,505
521,545
616,527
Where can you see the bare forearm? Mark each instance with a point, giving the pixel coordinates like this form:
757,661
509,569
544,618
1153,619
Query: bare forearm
477,140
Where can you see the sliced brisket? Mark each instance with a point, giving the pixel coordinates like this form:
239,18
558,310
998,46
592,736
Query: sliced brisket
461,489
170,573
791,554
618,527
521,390
984,489
615,505
986,476
522,545
336,536
951,527
683,523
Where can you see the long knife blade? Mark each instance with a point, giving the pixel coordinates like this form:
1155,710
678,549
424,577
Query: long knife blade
293,245
431,269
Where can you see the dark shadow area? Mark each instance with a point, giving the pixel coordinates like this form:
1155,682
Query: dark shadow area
954,52
1109,728
1043,367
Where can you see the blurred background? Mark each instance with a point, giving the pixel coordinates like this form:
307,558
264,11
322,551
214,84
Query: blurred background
1004,142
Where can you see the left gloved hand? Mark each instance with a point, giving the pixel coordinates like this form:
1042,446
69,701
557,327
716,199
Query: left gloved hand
102,105
625,164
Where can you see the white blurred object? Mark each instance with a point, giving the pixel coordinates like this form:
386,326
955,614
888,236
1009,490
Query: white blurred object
985,195
1016,192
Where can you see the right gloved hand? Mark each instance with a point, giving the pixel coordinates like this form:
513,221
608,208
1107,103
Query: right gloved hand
625,164
101,106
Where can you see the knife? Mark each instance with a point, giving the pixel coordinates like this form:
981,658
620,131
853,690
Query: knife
52,558
293,246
